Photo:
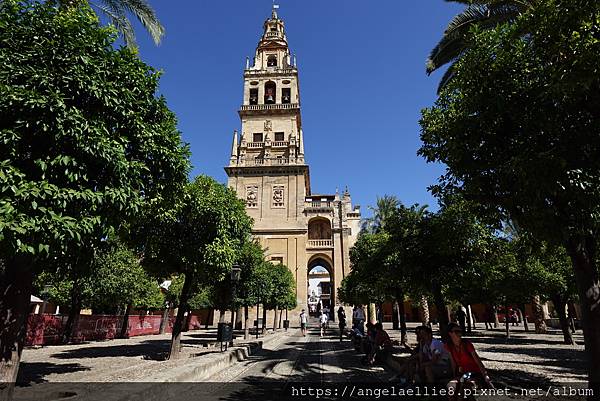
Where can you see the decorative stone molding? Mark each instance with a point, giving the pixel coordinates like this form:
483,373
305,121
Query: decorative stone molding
252,196
278,196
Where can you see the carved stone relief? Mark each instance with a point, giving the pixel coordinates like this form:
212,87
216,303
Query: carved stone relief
252,196
278,196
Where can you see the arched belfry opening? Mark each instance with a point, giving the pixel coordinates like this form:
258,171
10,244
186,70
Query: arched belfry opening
319,228
320,282
270,92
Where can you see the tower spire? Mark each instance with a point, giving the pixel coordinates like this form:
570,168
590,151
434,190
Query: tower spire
274,10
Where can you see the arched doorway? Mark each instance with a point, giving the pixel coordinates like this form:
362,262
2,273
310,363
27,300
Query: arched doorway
320,286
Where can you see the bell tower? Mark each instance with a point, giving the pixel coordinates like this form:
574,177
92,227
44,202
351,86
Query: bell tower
267,166
267,169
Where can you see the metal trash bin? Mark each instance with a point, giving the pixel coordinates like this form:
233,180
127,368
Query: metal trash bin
224,334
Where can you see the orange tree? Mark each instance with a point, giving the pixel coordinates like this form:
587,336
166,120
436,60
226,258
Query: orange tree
517,127
85,144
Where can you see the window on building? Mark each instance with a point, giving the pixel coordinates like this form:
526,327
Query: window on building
272,61
286,95
254,96
279,136
278,260
257,137
270,91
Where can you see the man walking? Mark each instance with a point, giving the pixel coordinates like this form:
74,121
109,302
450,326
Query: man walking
323,319
303,322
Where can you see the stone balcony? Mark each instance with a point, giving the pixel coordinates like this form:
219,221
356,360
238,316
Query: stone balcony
273,161
271,71
319,244
318,207
268,107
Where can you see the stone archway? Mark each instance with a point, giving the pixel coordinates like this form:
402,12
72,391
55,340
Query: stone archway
320,284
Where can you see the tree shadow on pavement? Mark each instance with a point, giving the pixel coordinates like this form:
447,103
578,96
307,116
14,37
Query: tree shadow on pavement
35,372
147,349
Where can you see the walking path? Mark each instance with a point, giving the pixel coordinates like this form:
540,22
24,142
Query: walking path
286,361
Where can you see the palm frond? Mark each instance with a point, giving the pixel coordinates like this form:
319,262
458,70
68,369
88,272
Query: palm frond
117,17
146,15
446,78
455,38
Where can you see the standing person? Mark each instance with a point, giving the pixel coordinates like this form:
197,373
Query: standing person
488,317
341,314
326,312
461,316
303,322
323,319
358,318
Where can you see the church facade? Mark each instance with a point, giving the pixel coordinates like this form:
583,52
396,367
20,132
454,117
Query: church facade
268,170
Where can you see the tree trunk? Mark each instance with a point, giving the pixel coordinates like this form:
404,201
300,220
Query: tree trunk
275,318
540,322
211,315
507,322
239,317
280,316
469,320
582,251
175,351
164,322
559,305
425,309
496,320
440,304
222,316
125,325
74,312
16,277
246,323
523,313
395,316
402,320
264,319
372,314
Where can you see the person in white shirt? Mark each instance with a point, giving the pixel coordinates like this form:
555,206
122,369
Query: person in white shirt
323,319
303,322
434,360
358,318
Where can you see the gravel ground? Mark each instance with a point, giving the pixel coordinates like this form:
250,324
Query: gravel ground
523,358
121,360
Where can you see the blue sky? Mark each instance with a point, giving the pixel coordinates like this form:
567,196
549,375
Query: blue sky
361,66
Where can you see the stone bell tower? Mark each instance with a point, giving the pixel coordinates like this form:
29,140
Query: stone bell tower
268,170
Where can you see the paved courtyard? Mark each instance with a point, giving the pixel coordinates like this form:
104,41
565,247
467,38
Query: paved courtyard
286,360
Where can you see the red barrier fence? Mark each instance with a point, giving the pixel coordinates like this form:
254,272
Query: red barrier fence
47,329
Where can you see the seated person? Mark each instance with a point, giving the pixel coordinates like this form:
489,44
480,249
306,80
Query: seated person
434,359
464,359
409,367
382,344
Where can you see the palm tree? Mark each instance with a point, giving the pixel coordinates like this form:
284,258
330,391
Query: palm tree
117,12
487,14
386,206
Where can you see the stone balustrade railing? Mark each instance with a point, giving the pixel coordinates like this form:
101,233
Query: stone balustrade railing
319,243
277,106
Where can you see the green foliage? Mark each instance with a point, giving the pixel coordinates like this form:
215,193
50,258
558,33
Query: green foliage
484,14
517,125
85,142
200,235
116,280
119,280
